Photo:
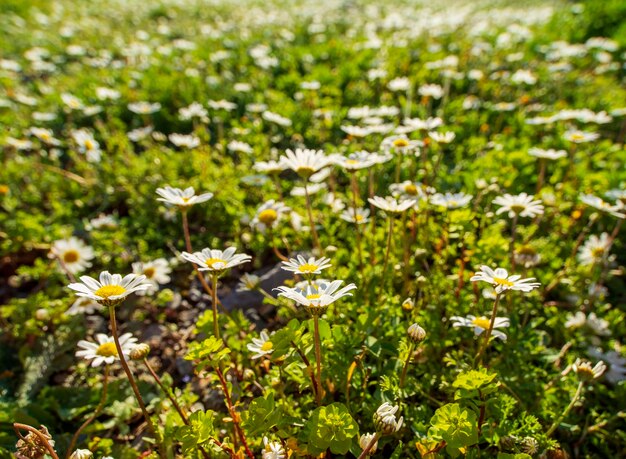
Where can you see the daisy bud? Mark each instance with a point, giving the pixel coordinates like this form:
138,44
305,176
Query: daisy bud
408,304
140,351
81,454
385,419
416,333
42,314
365,440
585,372
529,445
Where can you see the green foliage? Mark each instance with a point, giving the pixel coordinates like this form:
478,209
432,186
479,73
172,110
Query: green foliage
208,353
456,426
329,427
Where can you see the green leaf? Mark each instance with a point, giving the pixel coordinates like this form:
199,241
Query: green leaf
454,425
208,353
472,383
262,415
331,427
199,432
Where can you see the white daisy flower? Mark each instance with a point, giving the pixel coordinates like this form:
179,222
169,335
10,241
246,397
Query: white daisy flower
501,280
273,450
431,90
71,101
103,93
87,145
105,351
442,137
522,204
238,146
359,216
248,282
184,141
594,249
73,253
276,118
156,273
355,161
580,136
45,135
269,167
547,154
365,440
480,324
317,296
216,261
195,110
81,454
261,346
300,265
409,189
181,198
269,215
84,306
602,205
450,200
392,205
305,162
586,372
399,84
144,108
400,144
111,289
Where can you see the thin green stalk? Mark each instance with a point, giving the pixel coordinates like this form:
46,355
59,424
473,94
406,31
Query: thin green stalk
316,241
494,311
96,413
133,384
406,364
318,358
558,421
216,325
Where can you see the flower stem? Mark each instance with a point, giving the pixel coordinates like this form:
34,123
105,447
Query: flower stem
216,325
406,364
355,193
369,446
234,415
558,421
132,382
308,367
387,250
190,250
18,426
512,242
316,241
494,311
96,413
318,359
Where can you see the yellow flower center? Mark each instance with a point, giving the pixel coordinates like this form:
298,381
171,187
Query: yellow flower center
517,208
267,346
313,296
185,199
577,136
352,162
305,171
500,281
71,256
526,250
149,272
107,291
597,252
401,143
308,268
359,218
107,350
268,216
44,136
452,203
481,322
212,261
4,189
410,189
89,145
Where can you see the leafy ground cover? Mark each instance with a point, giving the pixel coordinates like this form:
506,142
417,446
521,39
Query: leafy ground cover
342,229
